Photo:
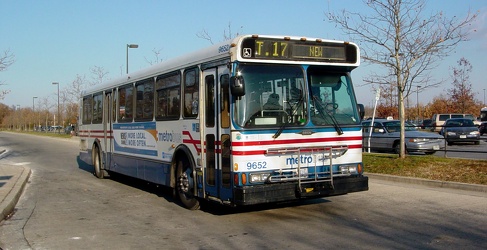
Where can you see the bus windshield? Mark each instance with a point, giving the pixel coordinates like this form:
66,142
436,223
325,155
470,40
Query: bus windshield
275,95
332,101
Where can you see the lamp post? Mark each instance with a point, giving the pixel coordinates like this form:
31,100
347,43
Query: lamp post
484,97
33,105
131,46
33,111
417,99
56,83
18,115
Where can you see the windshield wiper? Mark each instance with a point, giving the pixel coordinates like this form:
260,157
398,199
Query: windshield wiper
294,109
322,111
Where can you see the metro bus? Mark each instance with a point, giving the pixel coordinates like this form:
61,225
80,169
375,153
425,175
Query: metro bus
483,114
252,120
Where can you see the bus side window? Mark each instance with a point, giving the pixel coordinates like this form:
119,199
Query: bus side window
225,101
168,96
97,108
191,90
126,100
114,106
87,109
144,105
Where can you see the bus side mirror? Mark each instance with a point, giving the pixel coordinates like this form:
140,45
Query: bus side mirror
361,111
237,86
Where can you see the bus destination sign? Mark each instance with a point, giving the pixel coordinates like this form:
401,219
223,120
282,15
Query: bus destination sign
279,49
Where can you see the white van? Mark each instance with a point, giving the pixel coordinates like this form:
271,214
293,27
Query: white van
439,119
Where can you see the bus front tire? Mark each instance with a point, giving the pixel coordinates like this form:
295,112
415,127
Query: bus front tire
97,169
185,186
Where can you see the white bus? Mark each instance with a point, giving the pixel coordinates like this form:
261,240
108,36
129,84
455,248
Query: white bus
252,120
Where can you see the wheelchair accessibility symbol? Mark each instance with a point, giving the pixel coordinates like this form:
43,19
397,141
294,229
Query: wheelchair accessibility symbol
247,52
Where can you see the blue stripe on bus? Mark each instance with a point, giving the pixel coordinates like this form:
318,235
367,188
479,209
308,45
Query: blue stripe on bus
294,131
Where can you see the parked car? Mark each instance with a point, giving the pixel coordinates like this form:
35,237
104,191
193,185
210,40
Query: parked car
483,128
385,136
439,120
460,130
426,124
70,130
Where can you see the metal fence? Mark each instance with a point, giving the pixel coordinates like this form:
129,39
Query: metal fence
382,140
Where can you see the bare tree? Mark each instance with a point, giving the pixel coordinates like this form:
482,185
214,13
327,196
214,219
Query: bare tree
45,116
227,34
156,59
6,60
204,35
398,37
73,91
461,93
98,75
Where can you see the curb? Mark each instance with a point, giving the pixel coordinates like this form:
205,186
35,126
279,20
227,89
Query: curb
430,183
7,206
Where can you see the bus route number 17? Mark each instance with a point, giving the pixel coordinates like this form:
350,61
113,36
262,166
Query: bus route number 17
271,49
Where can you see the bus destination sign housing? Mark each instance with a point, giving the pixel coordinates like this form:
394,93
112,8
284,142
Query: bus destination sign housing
284,49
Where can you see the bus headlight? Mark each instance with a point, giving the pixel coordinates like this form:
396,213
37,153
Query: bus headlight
347,169
258,177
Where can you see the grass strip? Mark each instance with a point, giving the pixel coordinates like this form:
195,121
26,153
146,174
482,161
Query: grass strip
428,167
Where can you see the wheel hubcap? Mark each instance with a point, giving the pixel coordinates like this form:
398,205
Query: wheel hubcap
184,183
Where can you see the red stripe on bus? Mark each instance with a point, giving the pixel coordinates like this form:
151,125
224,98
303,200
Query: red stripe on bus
100,134
263,152
295,141
195,143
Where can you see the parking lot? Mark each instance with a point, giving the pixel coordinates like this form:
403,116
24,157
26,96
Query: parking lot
457,150
466,150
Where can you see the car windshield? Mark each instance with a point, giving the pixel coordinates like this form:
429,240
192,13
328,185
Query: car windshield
460,123
395,126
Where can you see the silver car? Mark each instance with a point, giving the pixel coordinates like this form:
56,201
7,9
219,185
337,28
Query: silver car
385,136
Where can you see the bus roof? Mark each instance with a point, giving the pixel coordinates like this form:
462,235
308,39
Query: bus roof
213,53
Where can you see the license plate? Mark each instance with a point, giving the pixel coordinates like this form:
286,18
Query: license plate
436,147
463,136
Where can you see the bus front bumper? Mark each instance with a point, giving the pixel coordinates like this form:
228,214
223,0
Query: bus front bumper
287,191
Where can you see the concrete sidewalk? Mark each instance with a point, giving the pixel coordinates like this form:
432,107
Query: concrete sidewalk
12,183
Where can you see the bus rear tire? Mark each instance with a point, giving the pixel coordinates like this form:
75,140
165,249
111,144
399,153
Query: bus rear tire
97,169
185,186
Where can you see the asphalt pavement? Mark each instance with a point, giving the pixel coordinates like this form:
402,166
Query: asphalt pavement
13,179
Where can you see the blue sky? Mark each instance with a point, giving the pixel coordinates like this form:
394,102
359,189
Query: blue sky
53,41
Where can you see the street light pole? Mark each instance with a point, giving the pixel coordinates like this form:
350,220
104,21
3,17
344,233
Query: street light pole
56,83
417,99
33,111
33,105
484,97
131,46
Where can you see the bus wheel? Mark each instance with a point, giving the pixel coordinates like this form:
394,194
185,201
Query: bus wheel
97,171
185,186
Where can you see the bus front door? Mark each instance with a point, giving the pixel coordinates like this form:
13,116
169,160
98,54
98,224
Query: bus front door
107,128
216,134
